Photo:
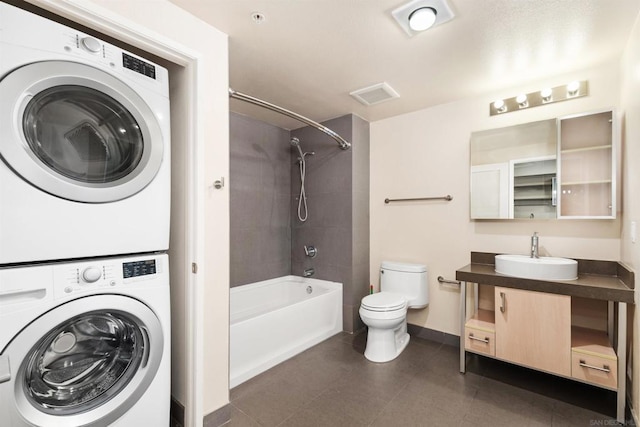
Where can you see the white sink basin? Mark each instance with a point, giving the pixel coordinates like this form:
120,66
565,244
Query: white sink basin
543,268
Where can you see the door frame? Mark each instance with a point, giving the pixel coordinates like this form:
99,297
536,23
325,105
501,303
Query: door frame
93,16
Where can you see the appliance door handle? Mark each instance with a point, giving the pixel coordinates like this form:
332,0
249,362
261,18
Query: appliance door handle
147,346
22,295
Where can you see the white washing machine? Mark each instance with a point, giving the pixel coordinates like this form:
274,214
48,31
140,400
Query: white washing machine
86,343
84,145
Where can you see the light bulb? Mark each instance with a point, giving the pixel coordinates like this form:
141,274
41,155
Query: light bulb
422,19
500,106
573,88
522,100
546,94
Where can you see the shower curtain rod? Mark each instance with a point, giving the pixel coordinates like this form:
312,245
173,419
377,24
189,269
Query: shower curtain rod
248,98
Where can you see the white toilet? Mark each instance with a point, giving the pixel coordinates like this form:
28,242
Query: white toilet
402,286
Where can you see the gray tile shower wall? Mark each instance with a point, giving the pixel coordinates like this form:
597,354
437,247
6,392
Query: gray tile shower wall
260,191
337,189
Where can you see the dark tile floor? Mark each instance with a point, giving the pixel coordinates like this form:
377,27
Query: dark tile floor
332,384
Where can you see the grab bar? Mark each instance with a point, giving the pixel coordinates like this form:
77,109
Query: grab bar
257,101
448,198
443,280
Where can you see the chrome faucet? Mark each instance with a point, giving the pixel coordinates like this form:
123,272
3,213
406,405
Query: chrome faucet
534,245
309,272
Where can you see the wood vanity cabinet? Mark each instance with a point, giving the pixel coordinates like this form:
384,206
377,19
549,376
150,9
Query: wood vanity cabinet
534,329
574,329
586,164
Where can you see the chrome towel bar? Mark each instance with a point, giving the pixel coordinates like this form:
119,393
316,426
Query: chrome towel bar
448,198
443,280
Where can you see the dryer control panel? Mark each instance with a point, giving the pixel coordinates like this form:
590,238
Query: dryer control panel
104,275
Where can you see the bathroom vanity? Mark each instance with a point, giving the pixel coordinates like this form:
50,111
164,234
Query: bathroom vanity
576,329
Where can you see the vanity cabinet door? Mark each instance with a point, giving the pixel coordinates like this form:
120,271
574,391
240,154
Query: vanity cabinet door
534,329
587,166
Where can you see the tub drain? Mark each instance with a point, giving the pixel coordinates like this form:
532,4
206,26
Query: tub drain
309,289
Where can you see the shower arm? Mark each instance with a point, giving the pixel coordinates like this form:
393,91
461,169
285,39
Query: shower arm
248,98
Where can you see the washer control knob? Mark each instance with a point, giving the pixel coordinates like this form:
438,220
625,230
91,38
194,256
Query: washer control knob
91,274
91,44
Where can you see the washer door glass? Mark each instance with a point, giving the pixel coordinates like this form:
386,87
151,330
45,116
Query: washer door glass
80,133
83,134
83,362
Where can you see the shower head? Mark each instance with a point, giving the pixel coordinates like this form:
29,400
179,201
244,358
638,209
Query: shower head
296,143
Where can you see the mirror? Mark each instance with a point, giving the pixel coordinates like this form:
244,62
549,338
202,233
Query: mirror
513,171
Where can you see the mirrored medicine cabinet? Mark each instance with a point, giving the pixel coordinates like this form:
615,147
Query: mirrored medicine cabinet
556,168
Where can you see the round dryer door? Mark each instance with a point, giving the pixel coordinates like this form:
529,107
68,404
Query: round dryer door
88,369
77,132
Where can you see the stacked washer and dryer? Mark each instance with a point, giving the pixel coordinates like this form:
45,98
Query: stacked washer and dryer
84,229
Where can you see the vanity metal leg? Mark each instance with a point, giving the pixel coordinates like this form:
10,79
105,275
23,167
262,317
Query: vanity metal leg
622,362
610,321
463,319
476,298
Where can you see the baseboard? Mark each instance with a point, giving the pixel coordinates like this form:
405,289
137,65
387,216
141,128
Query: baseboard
177,413
433,335
218,417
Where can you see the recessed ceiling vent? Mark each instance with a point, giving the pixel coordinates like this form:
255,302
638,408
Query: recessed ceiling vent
375,94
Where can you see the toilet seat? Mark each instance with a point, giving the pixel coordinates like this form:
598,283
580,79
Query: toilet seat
384,302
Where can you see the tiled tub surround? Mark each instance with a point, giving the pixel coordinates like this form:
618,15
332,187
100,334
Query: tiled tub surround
567,349
273,320
337,188
260,189
267,239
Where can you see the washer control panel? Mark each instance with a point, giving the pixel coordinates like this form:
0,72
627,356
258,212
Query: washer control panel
104,274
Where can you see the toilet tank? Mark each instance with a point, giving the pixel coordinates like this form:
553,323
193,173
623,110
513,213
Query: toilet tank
409,280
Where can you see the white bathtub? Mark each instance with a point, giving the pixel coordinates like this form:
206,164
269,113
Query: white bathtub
276,319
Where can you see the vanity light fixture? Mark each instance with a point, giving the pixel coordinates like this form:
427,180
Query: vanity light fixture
419,15
545,96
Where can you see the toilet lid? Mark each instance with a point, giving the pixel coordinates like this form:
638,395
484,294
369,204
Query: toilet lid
384,301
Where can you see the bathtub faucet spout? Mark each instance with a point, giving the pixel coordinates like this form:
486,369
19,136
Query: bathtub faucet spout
309,272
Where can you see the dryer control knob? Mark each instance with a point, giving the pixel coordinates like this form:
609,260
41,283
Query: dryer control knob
91,44
91,274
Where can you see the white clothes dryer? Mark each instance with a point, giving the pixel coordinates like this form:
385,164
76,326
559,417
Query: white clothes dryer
86,343
84,145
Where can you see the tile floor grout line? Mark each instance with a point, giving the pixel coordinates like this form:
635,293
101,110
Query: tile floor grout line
247,415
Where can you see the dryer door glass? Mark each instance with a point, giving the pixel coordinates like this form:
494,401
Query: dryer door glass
84,362
83,134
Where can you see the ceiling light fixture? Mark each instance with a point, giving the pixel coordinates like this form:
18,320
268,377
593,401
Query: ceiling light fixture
419,15
422,19
576,89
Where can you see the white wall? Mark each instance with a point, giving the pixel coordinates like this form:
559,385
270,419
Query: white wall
426,153
171,29
630,252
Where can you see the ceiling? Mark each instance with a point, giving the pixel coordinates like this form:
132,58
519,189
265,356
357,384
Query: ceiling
307,55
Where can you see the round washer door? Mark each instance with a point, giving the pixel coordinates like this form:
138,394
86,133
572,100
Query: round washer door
78,132
88,369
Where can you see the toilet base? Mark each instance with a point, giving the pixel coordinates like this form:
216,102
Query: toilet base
384,345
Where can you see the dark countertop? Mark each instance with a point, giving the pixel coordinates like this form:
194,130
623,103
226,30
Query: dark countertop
603,280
